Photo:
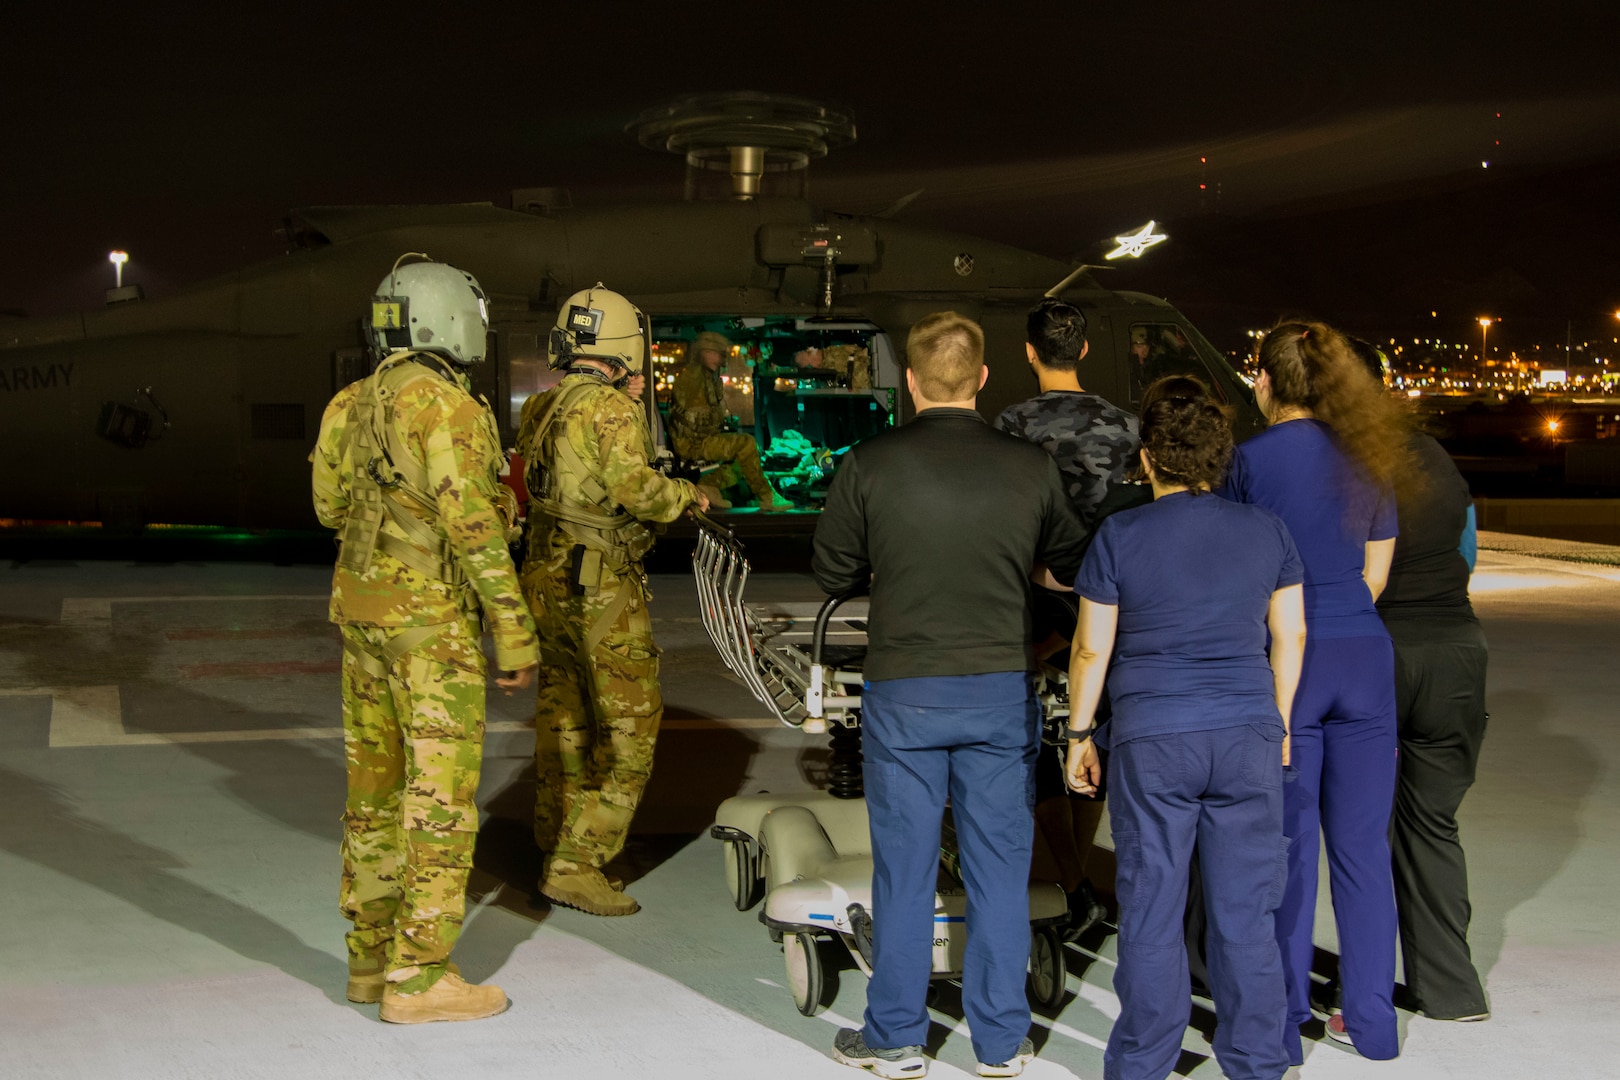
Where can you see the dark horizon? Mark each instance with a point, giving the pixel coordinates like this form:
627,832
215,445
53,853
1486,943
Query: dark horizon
186,141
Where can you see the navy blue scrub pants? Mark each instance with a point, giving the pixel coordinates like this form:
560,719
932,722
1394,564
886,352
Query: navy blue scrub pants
1342,786
1219,792
972,738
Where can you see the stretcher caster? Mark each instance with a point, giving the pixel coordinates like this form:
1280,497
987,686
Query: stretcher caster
804,974
742,872
1047,970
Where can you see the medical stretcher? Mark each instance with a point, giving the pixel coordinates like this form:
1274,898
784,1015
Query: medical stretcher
808,854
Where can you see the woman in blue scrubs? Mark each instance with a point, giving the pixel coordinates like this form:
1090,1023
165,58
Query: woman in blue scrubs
1182,593
1335,446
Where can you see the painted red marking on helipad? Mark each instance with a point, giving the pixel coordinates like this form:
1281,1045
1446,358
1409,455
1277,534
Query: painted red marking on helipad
267,670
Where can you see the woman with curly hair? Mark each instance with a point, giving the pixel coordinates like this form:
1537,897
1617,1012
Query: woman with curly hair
1335,448
1181,593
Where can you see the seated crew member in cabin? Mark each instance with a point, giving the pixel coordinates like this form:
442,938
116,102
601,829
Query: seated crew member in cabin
697,414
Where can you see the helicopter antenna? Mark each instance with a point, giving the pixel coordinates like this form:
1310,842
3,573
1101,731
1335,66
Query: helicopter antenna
1074,276
894,208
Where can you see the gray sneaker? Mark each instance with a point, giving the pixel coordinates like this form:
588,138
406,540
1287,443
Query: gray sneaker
1014,1065
900,1063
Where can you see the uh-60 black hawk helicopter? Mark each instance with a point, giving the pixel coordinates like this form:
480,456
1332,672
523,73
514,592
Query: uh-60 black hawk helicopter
201,408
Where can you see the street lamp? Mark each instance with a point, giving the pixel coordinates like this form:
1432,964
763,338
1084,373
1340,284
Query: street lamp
118,259
1484,332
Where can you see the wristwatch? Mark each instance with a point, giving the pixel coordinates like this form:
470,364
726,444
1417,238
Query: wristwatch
1077,733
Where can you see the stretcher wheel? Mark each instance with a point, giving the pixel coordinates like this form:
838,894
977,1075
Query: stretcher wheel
741,876
1047,971
803,971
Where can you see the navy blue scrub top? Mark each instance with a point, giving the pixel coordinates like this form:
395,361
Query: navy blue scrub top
1298,471
1192,576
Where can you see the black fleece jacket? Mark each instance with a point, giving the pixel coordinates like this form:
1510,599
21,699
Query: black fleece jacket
946,516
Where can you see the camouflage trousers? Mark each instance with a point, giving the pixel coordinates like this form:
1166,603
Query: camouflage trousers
739,455
597,715
413,745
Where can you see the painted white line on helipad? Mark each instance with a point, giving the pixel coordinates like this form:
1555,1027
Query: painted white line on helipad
86,716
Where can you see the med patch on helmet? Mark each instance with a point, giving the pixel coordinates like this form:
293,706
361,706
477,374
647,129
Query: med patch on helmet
585,323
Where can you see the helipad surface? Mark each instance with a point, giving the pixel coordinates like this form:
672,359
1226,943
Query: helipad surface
171,783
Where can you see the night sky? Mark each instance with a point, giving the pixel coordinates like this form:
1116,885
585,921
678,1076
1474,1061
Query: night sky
1346,138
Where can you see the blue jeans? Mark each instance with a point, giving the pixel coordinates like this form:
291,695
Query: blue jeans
1221,792
972,738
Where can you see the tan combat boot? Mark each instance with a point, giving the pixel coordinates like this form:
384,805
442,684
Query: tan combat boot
774,500
448,999
584,888
366,987
717,501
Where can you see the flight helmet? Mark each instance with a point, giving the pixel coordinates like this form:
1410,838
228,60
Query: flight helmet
430,307
599,324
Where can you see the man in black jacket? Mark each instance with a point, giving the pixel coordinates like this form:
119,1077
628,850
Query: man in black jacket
946,518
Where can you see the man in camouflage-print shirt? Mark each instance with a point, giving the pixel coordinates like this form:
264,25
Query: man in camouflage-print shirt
1094,445
1093,442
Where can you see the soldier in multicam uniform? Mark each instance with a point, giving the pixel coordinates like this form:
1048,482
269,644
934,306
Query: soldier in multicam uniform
594,495
695,418
1094,444
406,470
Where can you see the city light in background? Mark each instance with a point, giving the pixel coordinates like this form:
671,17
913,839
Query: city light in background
118,259
1579,369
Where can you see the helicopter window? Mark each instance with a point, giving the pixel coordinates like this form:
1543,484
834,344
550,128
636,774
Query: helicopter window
1158,350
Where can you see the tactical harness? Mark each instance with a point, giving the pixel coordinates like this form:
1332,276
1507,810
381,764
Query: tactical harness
384,475
594,523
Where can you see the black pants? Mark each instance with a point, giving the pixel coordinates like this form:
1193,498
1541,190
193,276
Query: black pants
1440,698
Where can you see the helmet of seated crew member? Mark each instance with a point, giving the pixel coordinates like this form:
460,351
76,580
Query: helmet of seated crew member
599,324
710,341
430,307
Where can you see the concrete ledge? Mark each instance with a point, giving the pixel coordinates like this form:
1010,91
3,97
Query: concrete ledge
1594,521
1544,548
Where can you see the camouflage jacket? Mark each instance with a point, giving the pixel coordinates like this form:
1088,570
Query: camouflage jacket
698,408
1093,443
607,431
453,435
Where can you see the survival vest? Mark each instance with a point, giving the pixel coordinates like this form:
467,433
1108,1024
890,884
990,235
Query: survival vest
567,496
387,481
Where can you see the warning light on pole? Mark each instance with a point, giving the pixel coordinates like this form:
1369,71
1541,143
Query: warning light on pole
118,259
